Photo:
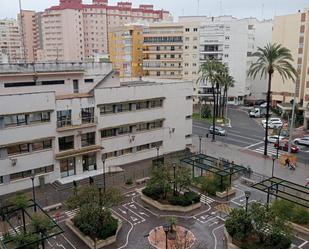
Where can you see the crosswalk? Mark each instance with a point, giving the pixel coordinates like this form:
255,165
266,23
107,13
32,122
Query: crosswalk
206,200
271,150
11,232
71,213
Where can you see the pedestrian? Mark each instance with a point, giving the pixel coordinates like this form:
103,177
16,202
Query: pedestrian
287,162
307,184
292,166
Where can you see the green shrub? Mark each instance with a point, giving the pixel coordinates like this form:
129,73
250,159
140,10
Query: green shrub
153,192
95,222
185,200
206,112
278,241
192,197
300,215
283,209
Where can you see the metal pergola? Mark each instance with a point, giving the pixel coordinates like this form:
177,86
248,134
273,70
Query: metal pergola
8,213
284,189
218,166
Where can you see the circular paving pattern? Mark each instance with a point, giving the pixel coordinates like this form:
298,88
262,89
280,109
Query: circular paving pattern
181,238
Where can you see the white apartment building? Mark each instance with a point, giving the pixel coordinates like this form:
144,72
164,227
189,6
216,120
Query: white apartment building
233,41
57,120
10,41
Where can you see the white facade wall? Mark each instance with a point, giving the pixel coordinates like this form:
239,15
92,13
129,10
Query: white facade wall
176,125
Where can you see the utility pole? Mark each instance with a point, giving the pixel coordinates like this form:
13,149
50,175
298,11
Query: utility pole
292,120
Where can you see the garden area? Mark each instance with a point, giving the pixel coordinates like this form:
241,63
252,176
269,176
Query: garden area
94,218
169,184
210,183
262,227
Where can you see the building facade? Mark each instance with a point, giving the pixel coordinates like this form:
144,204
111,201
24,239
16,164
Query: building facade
66,116
10,41
126,50
73,31
232,41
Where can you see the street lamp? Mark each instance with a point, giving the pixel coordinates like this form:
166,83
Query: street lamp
200,144
247,195
174,168
33,191
104,183
277,155
166,229
272,170
158,148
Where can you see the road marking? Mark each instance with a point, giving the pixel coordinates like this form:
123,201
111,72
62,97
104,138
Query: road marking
133,206
68,241
142,213
122,211
252,145
133,218
213,233
214,223
303,244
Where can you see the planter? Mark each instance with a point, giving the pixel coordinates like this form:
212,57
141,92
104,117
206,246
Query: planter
166,207
88,241
223,194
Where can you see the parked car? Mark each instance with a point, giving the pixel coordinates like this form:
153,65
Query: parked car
274,138
264,105
270,120
257,112
274,124
218,131
302,141
285,147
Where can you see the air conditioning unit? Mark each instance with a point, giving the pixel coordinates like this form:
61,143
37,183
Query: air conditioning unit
13,162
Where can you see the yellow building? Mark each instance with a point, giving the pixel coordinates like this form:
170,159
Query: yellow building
126,50
292,31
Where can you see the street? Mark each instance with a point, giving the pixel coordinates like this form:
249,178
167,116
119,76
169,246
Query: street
246,133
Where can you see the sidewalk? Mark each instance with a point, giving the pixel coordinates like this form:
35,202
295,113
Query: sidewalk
256,162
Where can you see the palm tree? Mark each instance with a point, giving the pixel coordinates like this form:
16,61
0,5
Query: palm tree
209,72
226,81
271,58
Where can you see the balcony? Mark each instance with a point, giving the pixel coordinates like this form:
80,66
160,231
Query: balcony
77,152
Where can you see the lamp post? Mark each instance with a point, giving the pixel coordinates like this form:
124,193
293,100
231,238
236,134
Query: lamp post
174,168
273,167
247,195
158,148
104,182
166,229
278,142
200,144
33,192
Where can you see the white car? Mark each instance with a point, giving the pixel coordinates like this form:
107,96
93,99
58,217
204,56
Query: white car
274,139
264,105
302,141
271,120
274,124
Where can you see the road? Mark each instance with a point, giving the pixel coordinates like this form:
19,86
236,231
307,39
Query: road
246,133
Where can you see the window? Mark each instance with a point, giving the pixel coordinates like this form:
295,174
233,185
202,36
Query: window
88,139
172,48
75,86
187,39
15,120
188,97
194,64
39,117
53,82
126,107
88,80
186,47
1,179
186,64
67,167
189,117
89,162
142,105
107,109
42,145
187,29
156,124
124,130
158,57
19,84
88,115
127,151
156,103
108,133
20,175
142,127
156,144
195,29
18,149
227,38
142,147
172,56
44,170
66,143
64,118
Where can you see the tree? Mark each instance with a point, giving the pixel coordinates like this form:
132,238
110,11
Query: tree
21,201
239,224
160,180
206,112
183,178
227,81
209,74
272,58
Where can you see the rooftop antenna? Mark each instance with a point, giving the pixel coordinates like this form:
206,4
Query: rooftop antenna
22,32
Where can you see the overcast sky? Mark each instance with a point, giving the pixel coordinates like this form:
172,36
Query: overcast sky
238,8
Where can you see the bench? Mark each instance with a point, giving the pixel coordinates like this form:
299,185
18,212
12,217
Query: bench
52,207
142,180
248,181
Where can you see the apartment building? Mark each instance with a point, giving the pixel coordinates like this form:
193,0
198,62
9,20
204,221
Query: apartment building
232,41
31,32
10,42
73,31
67,116
292,32
126,50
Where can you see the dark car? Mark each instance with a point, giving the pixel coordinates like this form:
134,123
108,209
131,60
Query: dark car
285,147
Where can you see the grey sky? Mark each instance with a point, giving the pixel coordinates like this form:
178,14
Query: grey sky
238,8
